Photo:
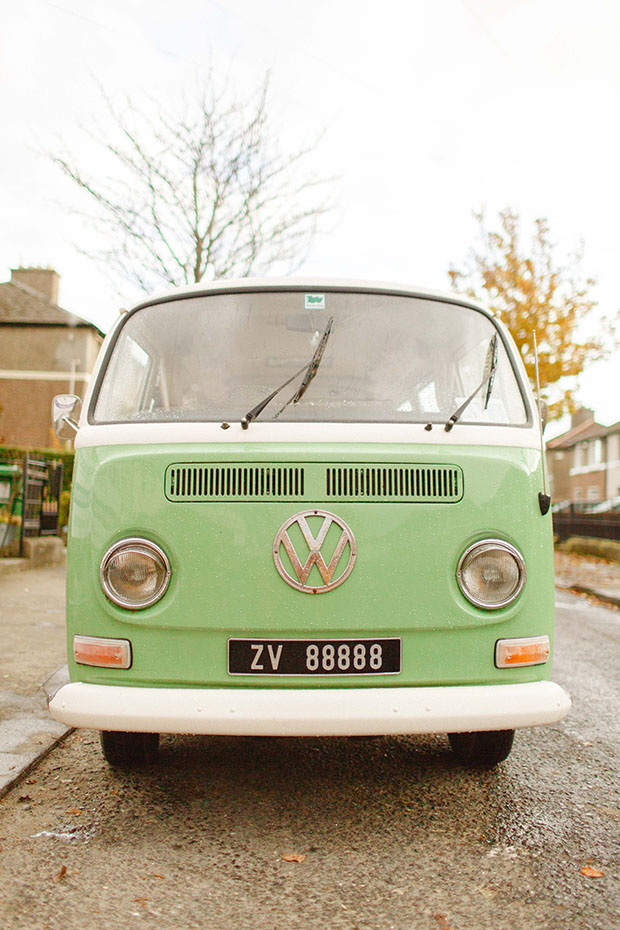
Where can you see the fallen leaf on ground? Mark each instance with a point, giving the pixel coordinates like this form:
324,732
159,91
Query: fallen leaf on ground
590,872
61,874
293,857
74,810
25,797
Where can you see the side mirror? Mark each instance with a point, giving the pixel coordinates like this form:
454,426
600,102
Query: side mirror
544,414
65,414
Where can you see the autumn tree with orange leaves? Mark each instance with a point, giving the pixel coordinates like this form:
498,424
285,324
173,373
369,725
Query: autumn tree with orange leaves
530,291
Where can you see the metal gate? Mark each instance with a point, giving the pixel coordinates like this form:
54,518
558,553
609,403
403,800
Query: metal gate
42,487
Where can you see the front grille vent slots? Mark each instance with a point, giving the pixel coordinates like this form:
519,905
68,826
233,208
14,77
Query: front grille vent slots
313,483
233,482
413,483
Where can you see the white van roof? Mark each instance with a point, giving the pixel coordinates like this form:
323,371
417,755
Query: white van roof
307,284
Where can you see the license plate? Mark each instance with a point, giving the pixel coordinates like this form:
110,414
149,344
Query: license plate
314,656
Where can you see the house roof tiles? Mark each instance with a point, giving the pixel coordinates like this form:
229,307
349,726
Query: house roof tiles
22,305
584,431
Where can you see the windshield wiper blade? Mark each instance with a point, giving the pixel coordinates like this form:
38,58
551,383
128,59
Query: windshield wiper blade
310,372
490,366
258,409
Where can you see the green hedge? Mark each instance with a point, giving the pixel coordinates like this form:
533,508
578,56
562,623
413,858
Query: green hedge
10,453
63,509
586,545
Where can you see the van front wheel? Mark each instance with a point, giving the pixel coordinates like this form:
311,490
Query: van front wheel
484,749
129,750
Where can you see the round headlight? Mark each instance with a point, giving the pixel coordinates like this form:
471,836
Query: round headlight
134,573
491,574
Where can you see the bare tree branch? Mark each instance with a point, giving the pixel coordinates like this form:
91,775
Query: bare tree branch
201,191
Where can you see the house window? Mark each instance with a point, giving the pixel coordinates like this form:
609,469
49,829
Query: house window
594,493
596,452
580,454
578,494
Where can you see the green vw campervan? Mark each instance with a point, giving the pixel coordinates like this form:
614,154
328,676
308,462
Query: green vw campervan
308,508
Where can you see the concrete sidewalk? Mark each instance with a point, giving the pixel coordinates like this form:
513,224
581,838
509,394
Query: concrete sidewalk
33,661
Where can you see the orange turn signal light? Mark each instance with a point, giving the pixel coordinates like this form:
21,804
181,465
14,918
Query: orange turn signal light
528,650
104,653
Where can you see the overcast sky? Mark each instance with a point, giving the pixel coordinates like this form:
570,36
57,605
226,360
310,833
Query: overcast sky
430,108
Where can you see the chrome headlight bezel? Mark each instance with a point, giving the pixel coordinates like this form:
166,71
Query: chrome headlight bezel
144,547
479,548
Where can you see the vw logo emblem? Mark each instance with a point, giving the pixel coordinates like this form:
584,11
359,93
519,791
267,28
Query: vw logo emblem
341,559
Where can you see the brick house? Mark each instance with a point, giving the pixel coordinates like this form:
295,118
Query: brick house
44,351
584,462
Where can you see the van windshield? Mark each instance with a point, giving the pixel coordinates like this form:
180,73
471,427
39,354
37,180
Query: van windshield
388,358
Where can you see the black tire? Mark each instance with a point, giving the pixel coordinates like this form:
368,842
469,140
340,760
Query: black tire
129,750
484,749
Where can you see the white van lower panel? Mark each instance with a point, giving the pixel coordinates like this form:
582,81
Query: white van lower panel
310,711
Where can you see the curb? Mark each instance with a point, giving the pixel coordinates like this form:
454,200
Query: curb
591,592
9,566
28,726
9,782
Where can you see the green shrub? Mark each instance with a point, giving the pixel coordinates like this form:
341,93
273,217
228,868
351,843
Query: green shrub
586,545
63,509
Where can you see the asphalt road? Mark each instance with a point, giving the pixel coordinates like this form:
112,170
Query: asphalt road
389,833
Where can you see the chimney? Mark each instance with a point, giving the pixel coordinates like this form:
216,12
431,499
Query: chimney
43,280
581,415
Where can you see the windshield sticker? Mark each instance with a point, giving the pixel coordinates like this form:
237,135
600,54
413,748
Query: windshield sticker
314,302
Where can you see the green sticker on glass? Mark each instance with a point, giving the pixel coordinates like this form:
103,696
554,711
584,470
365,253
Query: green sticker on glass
314,301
